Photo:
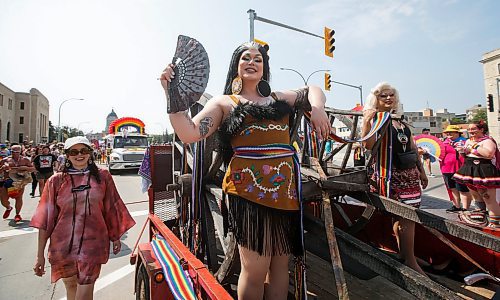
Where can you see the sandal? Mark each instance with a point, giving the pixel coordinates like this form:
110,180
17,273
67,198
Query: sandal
474,218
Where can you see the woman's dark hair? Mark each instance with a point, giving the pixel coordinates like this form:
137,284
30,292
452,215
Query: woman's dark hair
482,125
233,65
94,170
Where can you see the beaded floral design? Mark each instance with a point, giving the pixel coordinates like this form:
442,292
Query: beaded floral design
274,182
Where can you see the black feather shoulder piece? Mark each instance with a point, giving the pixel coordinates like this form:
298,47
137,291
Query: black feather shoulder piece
234,123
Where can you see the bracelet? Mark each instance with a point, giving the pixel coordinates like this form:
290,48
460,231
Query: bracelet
476,146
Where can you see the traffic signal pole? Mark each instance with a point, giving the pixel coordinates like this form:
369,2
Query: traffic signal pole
253,16
360,88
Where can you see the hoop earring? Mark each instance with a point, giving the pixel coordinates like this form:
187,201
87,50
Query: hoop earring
67,164
90,161
237,85
263,88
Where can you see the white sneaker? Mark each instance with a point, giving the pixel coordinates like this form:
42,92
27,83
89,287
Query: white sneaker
432,175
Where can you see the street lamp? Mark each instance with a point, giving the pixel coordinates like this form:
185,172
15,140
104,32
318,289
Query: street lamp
305,80
59,135
360,88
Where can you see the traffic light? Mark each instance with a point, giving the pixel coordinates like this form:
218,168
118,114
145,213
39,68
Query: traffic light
329,40
328,81
489,103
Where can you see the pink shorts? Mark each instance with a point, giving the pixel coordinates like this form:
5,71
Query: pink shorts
86,273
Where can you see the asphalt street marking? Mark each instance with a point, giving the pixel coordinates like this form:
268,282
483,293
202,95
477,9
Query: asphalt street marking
111,278
26,230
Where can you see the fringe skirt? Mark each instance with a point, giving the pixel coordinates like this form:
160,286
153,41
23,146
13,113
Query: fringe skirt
478,173
265,230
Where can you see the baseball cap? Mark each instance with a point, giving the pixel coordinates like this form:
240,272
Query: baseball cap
76,140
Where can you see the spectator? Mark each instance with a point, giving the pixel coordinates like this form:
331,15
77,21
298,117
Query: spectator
16,169
90,214
451,162
34,183
44,164
482,175
426,156
4,151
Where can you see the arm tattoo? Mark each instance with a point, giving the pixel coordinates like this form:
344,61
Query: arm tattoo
205,125
302,100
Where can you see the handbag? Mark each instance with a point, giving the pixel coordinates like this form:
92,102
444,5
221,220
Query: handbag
406,160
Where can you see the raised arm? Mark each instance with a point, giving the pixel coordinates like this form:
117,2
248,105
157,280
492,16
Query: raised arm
313,96
202,125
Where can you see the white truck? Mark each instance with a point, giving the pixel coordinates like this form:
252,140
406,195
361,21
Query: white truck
127,151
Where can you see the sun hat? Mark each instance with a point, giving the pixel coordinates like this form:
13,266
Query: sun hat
452,128
76,140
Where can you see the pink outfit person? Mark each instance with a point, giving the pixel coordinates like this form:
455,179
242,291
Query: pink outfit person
81,217
451,162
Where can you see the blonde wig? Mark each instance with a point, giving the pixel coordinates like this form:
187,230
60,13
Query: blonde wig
371,100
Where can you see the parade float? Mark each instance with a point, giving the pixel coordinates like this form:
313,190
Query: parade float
125,144
191,252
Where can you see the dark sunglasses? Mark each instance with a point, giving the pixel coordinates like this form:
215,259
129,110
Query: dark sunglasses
75,152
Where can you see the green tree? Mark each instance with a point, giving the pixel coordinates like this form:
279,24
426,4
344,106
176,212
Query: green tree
455,121
480,115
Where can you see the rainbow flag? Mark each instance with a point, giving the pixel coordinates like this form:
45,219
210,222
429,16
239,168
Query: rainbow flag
179,283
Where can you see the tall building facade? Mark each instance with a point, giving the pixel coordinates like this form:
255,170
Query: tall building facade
491,73
23,116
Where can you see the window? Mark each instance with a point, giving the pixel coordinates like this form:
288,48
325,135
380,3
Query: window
21,120
10,104
21,138
433,124
21,105
1,100
498,69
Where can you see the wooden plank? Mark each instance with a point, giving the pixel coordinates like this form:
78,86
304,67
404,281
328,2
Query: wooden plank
320,278
451,227
401,275
349,147
338,271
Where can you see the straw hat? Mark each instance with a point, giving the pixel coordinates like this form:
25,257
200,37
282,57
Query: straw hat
452,128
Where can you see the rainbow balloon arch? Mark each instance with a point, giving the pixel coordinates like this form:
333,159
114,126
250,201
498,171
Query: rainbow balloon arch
122,123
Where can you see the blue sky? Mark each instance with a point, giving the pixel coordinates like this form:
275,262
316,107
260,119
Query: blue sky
111,52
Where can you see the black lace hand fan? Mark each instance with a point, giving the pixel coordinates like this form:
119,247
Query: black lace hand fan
191,74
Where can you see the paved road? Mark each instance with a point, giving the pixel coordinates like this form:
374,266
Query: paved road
18,247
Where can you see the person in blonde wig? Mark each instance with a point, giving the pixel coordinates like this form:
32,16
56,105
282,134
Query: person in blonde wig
372,100
406,170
